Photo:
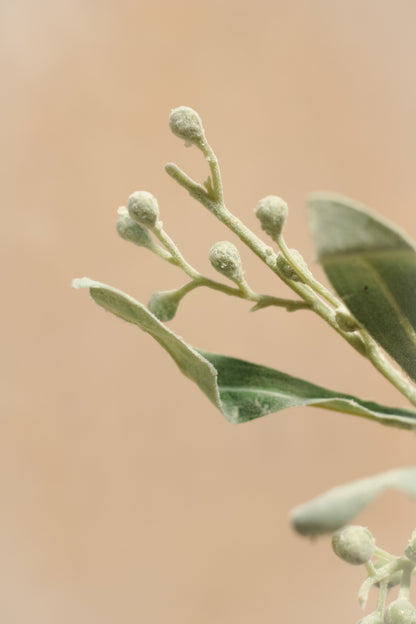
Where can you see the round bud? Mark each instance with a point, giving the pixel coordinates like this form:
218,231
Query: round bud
354,544
225,259
401,611
345,321
373,618
186,124
163,304
143,208
410,551
271,211
131,231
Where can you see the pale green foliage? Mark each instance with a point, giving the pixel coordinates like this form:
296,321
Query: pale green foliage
371,265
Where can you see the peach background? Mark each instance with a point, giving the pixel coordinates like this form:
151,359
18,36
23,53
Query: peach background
125,497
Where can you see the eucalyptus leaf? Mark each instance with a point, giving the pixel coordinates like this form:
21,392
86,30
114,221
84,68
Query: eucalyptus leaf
372,266
241,390
337,507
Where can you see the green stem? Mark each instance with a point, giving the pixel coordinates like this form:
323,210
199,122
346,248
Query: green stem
404,591
307,276
360,341
382,595
243,291
379,362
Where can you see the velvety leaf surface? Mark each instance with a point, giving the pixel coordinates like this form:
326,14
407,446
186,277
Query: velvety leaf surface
372,266
337,507
241,390
189,361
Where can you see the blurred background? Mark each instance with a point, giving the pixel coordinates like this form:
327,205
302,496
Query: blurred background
125,496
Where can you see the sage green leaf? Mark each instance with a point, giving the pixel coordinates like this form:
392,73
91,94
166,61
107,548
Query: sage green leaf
241,390
248,391
337,507
372,266
189,361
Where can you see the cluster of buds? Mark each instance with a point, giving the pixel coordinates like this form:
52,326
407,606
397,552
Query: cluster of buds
357,546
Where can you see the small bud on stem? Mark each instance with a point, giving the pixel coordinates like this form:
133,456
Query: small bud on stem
401,611
133,232
164,304
354,544
225,259
272,211
143,208
187,125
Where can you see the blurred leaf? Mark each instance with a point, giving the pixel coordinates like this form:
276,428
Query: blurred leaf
372,266
337,507
241,390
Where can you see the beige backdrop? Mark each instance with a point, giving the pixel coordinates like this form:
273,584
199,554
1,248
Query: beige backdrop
125,497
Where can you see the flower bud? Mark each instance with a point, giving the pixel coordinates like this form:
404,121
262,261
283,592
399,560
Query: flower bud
410,551
143,208
225,259
373,618
345,321
164,304
354,544
131,231
186,124
401,611
272,211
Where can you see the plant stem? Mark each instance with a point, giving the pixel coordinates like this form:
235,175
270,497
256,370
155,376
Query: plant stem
310,290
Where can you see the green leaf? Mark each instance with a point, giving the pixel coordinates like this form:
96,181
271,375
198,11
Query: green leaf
189,361
372,266
337,507
241,390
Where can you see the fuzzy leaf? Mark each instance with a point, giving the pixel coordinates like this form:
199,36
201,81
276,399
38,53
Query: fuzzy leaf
189,361
337,507
372,266
241,390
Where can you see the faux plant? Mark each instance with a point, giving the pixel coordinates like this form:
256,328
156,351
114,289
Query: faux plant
371,266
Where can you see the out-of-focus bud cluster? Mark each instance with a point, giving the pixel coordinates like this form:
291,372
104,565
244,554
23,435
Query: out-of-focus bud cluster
401,611
356,545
